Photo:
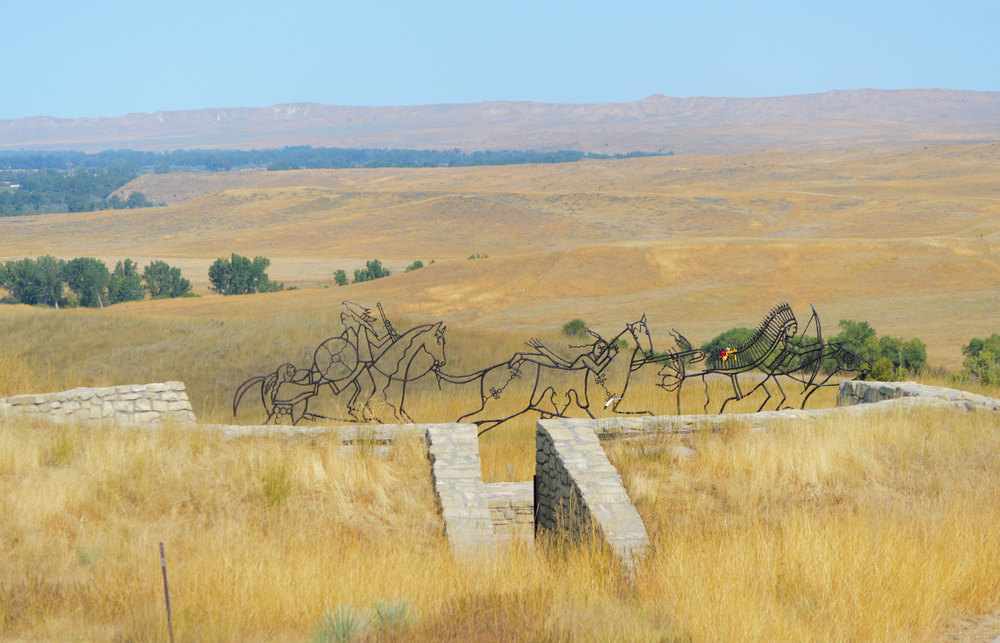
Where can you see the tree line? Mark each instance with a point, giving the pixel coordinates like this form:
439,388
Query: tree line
89,283
287,158
82,190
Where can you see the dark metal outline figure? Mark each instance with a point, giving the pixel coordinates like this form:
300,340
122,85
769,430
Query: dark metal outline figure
769,350
377,367
593,363
359,358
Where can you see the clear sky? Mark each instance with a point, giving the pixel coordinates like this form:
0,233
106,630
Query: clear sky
109,58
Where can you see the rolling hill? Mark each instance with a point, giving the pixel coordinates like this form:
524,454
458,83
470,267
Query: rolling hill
906,238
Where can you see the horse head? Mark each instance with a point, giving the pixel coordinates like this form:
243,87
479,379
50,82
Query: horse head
640,333
436,348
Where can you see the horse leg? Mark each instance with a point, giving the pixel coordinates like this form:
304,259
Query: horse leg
815,387
763,385
737,393
576,397
784,396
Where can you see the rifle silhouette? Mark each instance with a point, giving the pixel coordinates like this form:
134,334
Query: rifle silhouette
388,324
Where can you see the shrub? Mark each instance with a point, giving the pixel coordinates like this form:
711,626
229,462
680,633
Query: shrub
342,624
416,265
575,328
861,338
340,277
373,270
393,615
883,371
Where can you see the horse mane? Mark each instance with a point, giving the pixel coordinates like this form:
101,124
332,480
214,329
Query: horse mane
765,337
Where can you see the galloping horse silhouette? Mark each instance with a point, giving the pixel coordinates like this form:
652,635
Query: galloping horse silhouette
338,365
547,366
768,341
774,350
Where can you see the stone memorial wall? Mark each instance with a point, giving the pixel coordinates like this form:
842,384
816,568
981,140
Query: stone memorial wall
136,405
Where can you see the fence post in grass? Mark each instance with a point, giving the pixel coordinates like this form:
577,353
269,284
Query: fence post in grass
534,503
166,592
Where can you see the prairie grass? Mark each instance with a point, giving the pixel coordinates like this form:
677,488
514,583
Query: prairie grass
879,529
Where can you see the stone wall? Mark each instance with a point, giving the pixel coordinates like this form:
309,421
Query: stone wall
512,509
457,475
858,392
138,404
580,494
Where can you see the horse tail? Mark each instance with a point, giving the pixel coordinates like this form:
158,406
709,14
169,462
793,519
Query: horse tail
244,387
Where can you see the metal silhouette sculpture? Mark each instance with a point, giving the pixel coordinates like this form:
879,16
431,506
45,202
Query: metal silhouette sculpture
550,395
774,350
375,368
361,360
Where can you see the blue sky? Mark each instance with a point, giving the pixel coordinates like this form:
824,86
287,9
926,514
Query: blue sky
108,58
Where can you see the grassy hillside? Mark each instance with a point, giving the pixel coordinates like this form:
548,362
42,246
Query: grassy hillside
905,238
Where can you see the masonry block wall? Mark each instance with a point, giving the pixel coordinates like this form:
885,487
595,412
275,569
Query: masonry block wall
858,392
137,404
580,492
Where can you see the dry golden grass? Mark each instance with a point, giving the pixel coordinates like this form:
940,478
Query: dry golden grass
881,529
904,238
875,529
878,530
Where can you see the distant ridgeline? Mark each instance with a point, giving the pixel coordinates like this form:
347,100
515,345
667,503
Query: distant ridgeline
33,182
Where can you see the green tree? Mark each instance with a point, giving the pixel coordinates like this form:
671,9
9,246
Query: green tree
416,265
125,284
859,337
372,270
161,280
88,278
50,273
241,276
575,328
137,200
32,281
340,277
729,339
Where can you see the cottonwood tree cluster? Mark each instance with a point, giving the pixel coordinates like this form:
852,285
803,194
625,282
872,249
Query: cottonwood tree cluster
241,276
42,281
83,190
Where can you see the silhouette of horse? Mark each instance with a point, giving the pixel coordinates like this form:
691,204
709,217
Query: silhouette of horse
286,392
806,361
546,368
774,350
768,341
397,365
